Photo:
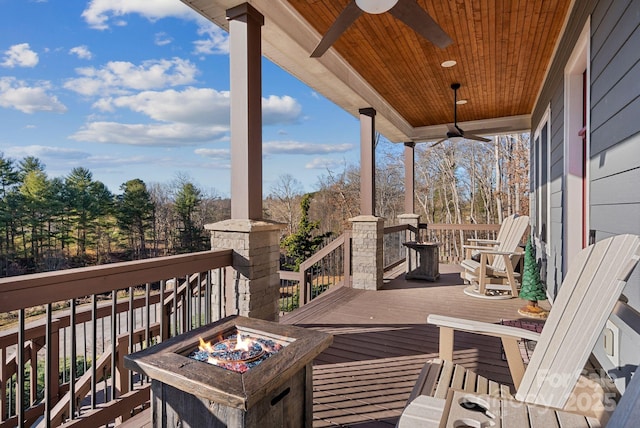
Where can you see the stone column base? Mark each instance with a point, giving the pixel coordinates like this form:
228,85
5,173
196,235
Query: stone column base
252,284
367,252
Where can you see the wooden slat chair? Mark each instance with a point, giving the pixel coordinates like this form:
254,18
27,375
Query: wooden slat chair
473,246
588,295
494,276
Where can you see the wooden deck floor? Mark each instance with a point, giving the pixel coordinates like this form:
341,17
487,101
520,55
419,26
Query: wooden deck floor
381,341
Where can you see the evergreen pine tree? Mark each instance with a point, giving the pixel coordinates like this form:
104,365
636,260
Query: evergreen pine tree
301,245
531,289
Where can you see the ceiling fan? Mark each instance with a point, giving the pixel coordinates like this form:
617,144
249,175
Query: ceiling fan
407,11
454,130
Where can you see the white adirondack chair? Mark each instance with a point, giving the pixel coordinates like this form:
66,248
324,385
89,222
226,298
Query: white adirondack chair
588,296
494,276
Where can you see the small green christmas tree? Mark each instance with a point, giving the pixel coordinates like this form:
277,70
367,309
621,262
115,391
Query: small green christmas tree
532,289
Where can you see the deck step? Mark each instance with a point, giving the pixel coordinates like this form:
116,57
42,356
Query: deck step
320,304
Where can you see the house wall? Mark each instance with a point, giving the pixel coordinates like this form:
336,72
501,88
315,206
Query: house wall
614,143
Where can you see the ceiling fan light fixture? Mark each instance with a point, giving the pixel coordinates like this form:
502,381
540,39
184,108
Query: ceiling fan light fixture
376,6
449,63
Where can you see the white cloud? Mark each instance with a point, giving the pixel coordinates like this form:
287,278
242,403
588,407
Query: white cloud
214,153
28,99
216,41
201,106
324,163
283,109
81,52
100,13
155,135
120,77
20,56
45,152
162,39
300,148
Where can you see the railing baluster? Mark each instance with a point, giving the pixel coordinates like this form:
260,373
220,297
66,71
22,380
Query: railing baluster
221,291
48,361
72,362
207,297
94,350
147,322
84,348
199,300
20,371
132,325
175,306
114,338
161,308
187,305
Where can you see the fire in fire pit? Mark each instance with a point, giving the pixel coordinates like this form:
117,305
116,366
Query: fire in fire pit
238,352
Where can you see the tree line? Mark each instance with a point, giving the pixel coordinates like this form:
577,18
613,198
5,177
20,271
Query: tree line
465,182
55,223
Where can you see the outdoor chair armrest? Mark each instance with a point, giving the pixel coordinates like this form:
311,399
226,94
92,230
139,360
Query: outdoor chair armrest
483,328
475,247
507,334
501,253
484,241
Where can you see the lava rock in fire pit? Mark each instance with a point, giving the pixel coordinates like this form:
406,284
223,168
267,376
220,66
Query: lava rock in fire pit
236,355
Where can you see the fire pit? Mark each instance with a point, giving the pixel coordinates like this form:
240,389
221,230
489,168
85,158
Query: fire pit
236,372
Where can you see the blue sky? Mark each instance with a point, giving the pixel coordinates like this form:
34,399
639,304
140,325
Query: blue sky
139,89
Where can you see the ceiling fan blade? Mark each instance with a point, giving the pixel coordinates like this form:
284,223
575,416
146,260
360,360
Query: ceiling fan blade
342,22
476,138
409,12
438,142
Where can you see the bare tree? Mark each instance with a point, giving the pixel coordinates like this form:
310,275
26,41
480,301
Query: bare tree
283,201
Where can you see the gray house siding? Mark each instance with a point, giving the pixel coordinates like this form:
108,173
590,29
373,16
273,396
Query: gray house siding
552,95
614,162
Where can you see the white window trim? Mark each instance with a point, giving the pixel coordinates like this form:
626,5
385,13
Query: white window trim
546,119
573,110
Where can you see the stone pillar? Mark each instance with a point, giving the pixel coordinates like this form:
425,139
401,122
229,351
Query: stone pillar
367,161
367,252
252,286
245,58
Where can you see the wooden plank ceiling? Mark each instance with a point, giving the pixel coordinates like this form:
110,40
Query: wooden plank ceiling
502,49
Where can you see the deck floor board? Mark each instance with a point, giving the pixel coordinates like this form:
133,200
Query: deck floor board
381,341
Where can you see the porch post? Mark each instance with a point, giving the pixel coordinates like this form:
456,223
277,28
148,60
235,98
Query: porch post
245,56
367,229
409,217
367,161
252,283
409,177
